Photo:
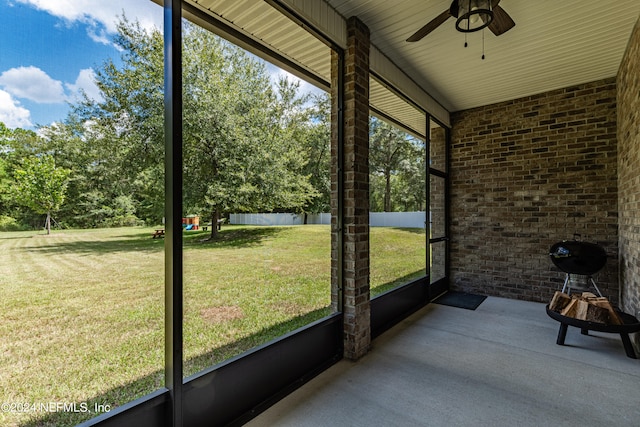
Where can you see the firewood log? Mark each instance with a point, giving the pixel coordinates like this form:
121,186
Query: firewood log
614,318
559,301
571,308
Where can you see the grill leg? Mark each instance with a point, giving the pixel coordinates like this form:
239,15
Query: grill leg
593,282
628,347
562,333
566,280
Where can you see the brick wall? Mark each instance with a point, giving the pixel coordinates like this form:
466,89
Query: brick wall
525,174
628,92
437,158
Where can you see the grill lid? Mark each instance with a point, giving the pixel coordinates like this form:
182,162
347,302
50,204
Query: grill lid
577,257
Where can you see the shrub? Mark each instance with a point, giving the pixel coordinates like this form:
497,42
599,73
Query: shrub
122,221
8,223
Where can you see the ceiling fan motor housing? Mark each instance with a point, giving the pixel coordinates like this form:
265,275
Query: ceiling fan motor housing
473,15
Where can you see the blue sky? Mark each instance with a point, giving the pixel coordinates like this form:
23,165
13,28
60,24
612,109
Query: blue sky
49,49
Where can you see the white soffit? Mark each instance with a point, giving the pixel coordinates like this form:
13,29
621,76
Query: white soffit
388,71
395,108
267,27
273,31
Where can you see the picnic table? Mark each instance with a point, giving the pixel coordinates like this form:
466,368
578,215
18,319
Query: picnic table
158,233
220,222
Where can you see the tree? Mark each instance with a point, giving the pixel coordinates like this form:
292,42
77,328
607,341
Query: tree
317,144
123,132
410,189
5,179
5,186
15,145
41,186
391,151
241,138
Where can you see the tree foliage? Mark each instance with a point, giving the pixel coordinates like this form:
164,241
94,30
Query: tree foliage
15,145
317,145
41,186
241,136
124,131
397,169
249,143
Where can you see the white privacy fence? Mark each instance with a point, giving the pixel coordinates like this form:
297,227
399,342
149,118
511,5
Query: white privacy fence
376,219
397,219
279,219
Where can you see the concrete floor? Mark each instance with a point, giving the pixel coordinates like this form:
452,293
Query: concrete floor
496,366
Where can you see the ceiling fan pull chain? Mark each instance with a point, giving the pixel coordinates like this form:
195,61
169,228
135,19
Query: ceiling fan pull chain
483,43
465,40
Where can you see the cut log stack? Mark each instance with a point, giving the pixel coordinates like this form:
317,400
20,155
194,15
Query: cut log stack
587,307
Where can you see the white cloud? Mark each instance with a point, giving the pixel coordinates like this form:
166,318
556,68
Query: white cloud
11,113
98,35
32,83
85,82
101,17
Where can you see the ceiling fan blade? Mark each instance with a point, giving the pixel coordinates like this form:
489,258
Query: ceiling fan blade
502,22
431,25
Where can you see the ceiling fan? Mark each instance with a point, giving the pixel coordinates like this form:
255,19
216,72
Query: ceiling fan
466,12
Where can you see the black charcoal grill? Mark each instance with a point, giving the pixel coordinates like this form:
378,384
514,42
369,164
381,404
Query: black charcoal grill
576,257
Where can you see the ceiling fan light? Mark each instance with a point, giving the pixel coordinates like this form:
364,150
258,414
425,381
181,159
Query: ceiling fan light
473,15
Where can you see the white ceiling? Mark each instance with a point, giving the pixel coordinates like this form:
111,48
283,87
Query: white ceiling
555,44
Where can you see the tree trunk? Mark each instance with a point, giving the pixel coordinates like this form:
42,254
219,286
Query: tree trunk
387,192
47,223
214,224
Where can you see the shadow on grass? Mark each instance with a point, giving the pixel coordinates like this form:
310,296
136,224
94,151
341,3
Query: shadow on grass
11,237
143,242
119,396
231,237
413,230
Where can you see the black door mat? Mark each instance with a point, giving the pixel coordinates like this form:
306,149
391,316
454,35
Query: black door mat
460,300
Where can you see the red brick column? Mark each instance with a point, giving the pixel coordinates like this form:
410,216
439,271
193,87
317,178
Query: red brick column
355,229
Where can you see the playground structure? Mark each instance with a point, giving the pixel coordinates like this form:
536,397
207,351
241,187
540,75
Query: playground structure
191,222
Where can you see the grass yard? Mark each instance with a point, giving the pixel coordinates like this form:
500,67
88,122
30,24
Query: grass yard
82,311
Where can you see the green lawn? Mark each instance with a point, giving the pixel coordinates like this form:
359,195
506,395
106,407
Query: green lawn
82,311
